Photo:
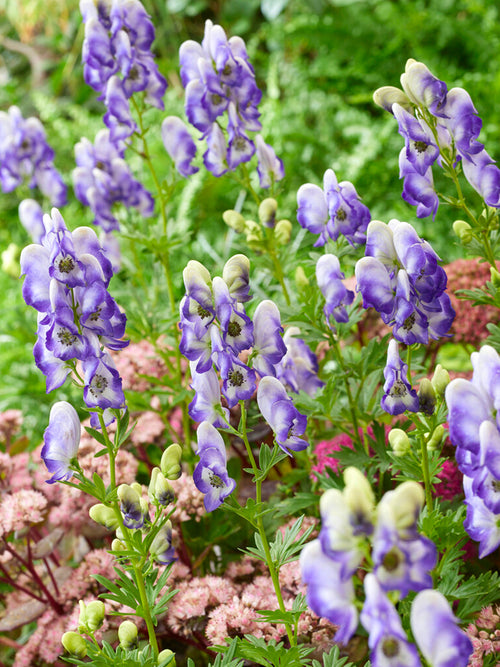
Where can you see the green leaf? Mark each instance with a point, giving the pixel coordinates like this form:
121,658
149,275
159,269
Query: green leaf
97,435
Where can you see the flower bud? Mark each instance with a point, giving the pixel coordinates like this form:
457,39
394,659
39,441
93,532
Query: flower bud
196,276
436,438
358,495
170,463
495,277
163,658
463,230
159,488
253,231
267,212
132,506
301,280
74,644
95,613
236,275
399,441
127,634
104,516
440,380
161,547
234,220
406,501
426,397
118,545
137,487
283,231
386,96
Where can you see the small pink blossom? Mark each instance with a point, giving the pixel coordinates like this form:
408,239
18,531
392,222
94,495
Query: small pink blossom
21,509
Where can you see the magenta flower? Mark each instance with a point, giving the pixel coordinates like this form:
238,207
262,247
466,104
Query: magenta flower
61,441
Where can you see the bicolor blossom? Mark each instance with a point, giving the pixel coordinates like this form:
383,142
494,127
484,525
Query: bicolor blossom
179,145
61,441
329,278
25,156
334,210
210,474
298,369
398,393
278,410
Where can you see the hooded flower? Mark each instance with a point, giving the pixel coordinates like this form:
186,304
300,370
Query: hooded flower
61,441
210,475
278,410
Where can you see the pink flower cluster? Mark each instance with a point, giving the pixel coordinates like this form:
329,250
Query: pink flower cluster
485,636
10,423
325,453
138,361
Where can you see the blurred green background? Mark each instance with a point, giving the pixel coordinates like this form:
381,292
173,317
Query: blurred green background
317,62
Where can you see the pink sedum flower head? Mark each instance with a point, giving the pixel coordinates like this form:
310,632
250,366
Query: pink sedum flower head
434,627
61,438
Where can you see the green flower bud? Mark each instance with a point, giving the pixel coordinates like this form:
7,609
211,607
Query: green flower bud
104,516
137,487
283,231
95,614
301,280
358,493
253,231
463,230
171,462
163,491
234,220
406,501
165,658
495,277
127,634
267,212
118,545
436,438
129,497
440,380
426,397
74,644
236,273
399,441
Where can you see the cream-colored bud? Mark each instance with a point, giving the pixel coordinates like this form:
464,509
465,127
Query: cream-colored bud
283,231
406,501
137,487
74,644
436,438
196,275
358,495
170,463
267,212
386,96
236,273
104,516
127,634
166,658
128,495
399,441
163,491
118,545
301,280
426,397
440,380
254,234
95,614
234,220
463,230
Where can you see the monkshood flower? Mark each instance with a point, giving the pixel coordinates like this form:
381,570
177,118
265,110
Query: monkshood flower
434,626
337,296
388,643
66,279
401,278
31,217
61,441
161,547
398,394
402,558
25,154
484,176
423,88
102,178
206,404
129,498
329,594
118,61
269,167
336,209
269,347
179,145
278,410
298,369
210,475
219,79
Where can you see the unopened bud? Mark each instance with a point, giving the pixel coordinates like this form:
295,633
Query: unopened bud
495,277
236,275
283,231
358,495
104,516
74,644
301,280
426,397
129,497
196,274
267,212
159,488
127,634
166,658
234,220
463,230
440,380
406,501
254,234
436,438
399,441
386,96
95,612
170,463
137,487
118,545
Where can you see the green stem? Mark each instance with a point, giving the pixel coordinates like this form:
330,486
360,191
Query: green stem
352,407
425,473
137,567
260,526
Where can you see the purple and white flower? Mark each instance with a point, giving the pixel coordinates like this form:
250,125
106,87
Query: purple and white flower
210,475
179,145
337,296
61,441
398,393
278,410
